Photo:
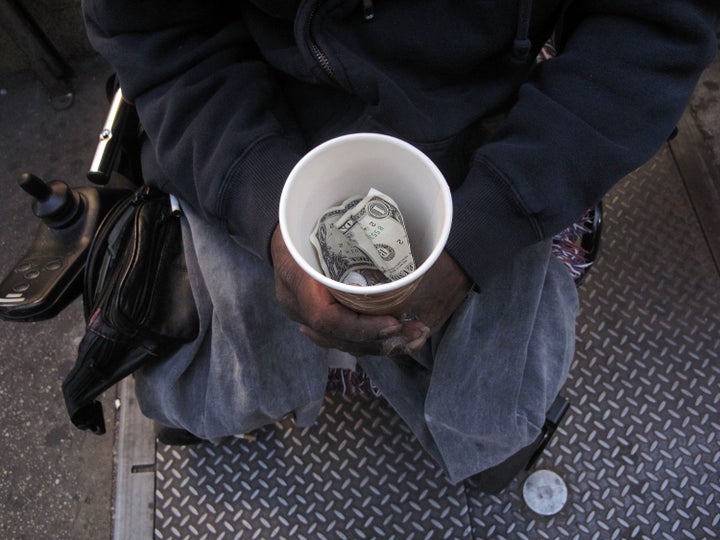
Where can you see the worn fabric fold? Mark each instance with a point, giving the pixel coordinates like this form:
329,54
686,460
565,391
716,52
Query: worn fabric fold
479,391
475,394
249,365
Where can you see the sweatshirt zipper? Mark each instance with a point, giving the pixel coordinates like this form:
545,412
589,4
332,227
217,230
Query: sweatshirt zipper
320,56
368,10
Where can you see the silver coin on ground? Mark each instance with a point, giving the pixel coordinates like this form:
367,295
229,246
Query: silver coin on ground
545,492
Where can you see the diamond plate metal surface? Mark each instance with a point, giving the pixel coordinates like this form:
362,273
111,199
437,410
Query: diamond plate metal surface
638,450
357,473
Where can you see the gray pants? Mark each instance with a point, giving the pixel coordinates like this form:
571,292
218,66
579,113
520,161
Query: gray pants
474,395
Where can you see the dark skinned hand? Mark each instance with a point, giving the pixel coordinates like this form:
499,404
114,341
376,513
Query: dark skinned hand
331,325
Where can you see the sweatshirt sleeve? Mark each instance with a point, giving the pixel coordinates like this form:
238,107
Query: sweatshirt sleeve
208,103
583,120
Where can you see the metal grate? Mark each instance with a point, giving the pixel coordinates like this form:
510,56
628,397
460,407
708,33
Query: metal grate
357,473
638,450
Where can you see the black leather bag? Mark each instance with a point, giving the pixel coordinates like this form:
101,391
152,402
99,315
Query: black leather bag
138,303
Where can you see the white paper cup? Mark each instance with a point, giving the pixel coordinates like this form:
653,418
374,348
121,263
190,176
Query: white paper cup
351,165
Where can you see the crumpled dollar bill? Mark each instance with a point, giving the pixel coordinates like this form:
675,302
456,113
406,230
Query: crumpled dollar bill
363,241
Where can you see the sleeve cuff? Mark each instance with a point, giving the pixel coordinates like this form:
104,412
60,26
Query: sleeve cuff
251,193
490,224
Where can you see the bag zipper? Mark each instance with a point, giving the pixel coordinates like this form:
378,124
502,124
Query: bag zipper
160,220
139,198
95,276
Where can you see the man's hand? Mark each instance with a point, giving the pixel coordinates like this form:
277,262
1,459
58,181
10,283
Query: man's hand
440,292
332,325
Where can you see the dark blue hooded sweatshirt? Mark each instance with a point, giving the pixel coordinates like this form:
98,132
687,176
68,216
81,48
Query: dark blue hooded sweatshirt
233,93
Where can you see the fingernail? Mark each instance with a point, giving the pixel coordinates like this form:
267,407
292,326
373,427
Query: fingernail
421,332
389,331
393,345
416,344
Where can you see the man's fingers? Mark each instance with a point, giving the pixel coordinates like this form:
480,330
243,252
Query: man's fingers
329,323
394,345
320,311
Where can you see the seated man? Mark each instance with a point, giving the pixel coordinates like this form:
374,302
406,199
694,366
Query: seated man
232,94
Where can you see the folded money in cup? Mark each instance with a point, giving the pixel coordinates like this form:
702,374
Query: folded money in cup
363,241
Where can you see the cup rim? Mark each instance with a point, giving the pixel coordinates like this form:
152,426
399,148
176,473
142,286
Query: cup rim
383,287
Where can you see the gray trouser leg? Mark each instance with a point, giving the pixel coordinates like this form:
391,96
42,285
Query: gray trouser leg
479,391
474,395
250,365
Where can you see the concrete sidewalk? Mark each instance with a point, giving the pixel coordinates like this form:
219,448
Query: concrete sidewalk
56,481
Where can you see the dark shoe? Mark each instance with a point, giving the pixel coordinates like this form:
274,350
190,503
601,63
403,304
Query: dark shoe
497,478
177,437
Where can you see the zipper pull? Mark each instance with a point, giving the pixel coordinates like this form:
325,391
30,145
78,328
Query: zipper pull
140,195
368,12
